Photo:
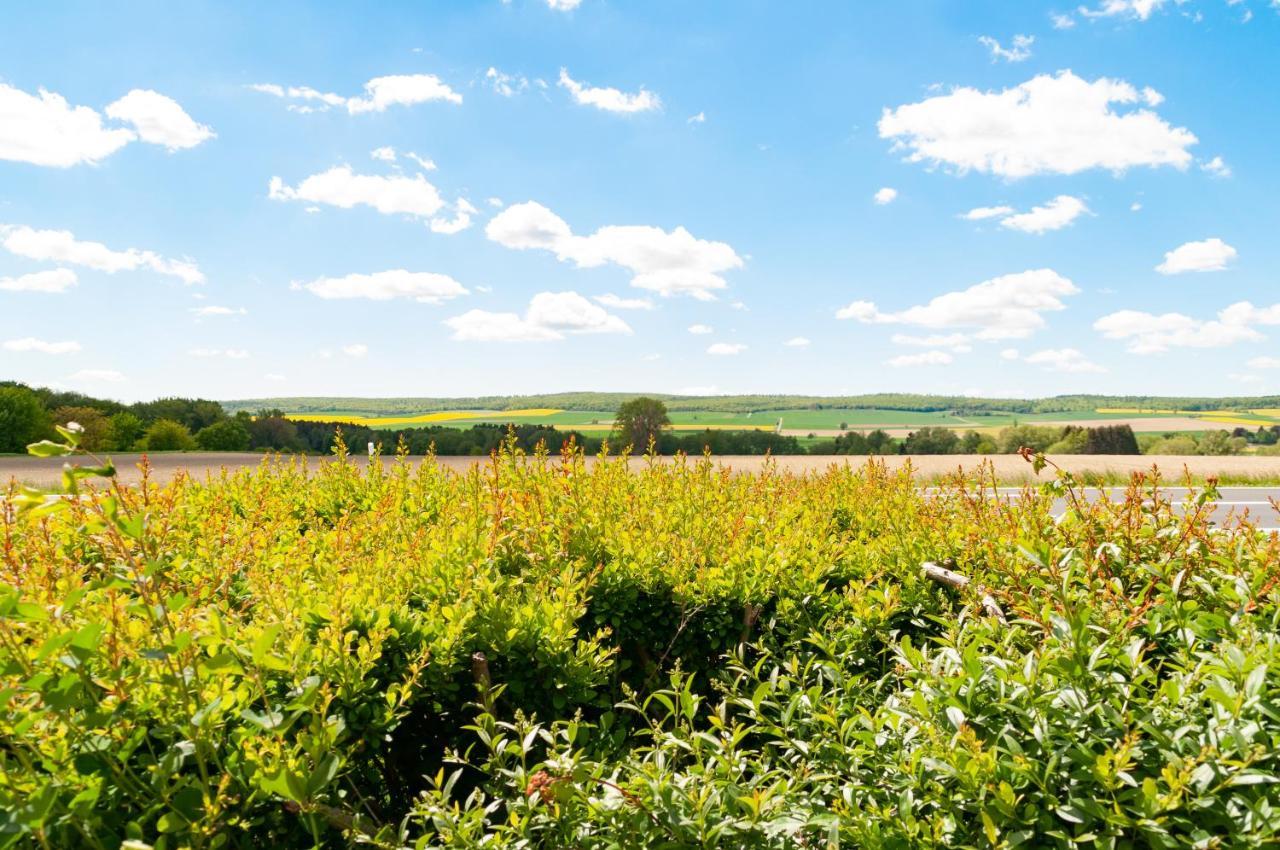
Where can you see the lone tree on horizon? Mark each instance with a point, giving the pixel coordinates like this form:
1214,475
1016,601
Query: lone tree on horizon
640,420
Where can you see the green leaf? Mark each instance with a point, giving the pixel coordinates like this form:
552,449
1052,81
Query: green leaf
46,448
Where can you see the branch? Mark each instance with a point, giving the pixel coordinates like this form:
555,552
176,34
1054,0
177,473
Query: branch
955,580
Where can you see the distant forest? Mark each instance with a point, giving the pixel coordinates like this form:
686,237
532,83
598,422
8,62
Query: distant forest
748,403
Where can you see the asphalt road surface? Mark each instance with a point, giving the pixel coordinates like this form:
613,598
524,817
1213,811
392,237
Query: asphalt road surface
46,472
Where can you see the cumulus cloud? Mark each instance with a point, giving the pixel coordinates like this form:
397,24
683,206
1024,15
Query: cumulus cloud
1059,124
924,358
887,195
1005,307
50,281
423,287
959,343
341,187
619,303
507,85
1053,215
983,213
701,329
462,213
159,120
726,349
1208,255
1147,333
1018,51
1137,9
609,99
666,262
1216,167
1063,360
797,342
549,316
380,94
41,346
61,246
217,310
44,129
1264,363
563,5
1062,22
355,349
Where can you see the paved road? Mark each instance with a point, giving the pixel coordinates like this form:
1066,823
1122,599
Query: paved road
46,472
1259,502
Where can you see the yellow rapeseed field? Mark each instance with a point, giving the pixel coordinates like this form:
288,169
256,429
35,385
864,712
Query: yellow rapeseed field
422,419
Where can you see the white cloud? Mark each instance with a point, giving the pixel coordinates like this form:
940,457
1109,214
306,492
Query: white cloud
229,353
61,246
507,85
1048,125
424,287
355,349
563,5
496,203
1209,255
384,154
550,316
30,343
726,349
1063,360
109,376
983,213
462,213
1006,307
1138,9
797,342
423,163
44,129
1009,354
1054,215
159,120
924,358
342,187
619,303
273,377
701,329
609,99
666,262
1147,333
1136,206
51,281
1264,363
1216,167
214,310
700,118
887,195
959,343
1019,51
1062,22
380,93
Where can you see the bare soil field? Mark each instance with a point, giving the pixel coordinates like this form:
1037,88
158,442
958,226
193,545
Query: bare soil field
46,472
1152,424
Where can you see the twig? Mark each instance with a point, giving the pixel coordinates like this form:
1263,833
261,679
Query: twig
952,579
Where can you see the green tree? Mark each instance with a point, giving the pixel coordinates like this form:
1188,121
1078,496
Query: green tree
23,419
229,435
1033,436
640,420
124,429
1221,443
1074,441
93,423
270,430
1111,440
932,440
1174,445
165,435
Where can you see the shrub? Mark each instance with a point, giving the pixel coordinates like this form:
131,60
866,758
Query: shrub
165,435
94,425
23,419
229,435
124,430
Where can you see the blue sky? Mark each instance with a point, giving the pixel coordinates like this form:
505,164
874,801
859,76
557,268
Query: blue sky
238,200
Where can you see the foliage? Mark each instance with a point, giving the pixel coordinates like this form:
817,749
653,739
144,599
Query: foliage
124,430
229,435
94,425
23,418
932,441
165,435
543,652
639,422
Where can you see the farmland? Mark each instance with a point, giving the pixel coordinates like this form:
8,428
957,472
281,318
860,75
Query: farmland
546,652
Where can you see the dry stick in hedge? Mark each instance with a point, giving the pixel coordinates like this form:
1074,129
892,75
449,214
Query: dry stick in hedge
950,578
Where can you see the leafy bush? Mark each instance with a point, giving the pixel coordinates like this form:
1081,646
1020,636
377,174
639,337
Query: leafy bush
23,419
165,435
544,652
229,435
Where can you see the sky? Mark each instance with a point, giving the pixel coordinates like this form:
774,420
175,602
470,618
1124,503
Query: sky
240,200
